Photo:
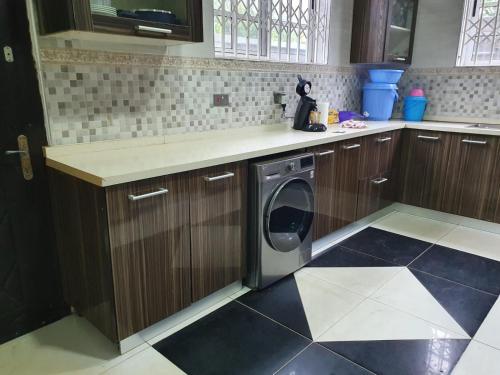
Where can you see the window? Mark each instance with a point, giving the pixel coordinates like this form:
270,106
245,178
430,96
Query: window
480,37
277,30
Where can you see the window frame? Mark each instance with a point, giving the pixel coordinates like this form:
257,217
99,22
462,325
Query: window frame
316,30
467,54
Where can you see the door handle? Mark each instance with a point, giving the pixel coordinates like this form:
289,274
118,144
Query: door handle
324,153
429,138
24,156
221,177
383,140
150,29
160,191
379,181
472,142
351,147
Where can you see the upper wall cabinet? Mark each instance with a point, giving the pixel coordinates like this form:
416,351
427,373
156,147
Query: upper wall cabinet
170,20
383,31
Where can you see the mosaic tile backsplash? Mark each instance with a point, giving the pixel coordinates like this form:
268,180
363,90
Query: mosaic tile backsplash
112,98
469,93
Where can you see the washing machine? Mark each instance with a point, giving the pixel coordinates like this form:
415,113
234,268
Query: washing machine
281,212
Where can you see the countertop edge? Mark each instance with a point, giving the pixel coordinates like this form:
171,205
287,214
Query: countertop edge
106,181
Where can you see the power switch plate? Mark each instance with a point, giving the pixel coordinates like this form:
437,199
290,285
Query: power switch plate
221,100
8,54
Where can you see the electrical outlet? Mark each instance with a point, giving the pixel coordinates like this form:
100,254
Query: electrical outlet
221,100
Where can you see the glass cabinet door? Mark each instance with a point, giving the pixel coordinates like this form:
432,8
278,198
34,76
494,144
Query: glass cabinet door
172,12
400,31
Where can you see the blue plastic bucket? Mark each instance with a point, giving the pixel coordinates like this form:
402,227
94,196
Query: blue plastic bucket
379,99
414,108
385,75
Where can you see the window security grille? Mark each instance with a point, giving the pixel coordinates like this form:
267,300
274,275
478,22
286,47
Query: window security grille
276,30
480,37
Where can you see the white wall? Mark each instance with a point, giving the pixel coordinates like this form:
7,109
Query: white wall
438,33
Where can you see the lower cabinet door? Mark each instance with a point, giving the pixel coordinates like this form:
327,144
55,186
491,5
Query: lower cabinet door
375,193
218,206
423,168
467,182
149,241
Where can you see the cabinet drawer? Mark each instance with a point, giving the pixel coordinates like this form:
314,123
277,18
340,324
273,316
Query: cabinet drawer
218,206
381,153
149,241
376,193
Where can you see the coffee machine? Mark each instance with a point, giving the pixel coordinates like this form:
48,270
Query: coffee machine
305,107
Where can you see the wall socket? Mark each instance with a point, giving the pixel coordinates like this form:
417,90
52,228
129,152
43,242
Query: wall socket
221,100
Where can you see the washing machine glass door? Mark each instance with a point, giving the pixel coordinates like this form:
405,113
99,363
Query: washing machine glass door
289,215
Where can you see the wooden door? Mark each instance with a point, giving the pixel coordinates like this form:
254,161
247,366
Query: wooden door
30,287
218,209
423,168
381,154
369,31
150,250
492,212
375,193
468,175
324,194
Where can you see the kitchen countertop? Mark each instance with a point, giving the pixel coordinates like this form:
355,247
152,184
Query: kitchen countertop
114,162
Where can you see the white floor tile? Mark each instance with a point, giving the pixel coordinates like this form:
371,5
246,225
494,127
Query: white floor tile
489,332
373,321
473,241
478,359
147,362
188,321
406,293
361,280
69,346
414,226
324,304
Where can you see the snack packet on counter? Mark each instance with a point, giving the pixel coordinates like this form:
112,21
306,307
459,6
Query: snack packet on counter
353,124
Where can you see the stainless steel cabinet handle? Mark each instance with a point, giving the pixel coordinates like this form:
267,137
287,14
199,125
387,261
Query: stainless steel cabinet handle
383,140
324,153
379,181
351,147
221,177
399,59
160,191
429,138
470,141
15,152
153,29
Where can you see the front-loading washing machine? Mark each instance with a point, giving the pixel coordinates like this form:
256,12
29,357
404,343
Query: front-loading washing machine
281,218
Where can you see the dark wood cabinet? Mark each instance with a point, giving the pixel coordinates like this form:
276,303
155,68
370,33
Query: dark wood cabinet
68,16
337,174
218,207
150,250
424,163
135,253
376,193
467,175
383,31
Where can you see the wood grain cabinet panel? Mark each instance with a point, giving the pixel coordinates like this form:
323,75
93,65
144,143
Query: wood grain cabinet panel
336,194
150,250
468,176
218,227
376,193
381,153
423,168
492,212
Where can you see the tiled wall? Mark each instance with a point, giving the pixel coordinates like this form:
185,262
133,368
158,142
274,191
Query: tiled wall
454,93
93,96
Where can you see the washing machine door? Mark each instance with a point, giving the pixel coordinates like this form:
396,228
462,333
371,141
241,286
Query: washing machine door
289,215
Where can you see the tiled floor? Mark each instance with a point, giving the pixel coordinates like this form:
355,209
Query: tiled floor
407,296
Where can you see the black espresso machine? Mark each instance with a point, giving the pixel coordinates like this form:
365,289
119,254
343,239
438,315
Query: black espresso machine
304,108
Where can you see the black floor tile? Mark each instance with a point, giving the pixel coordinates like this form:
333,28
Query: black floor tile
232,340
469,307
464,268
342,257
389,246
280,302
403,357
316,360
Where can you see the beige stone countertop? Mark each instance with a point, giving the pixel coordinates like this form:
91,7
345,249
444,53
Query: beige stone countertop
114,162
